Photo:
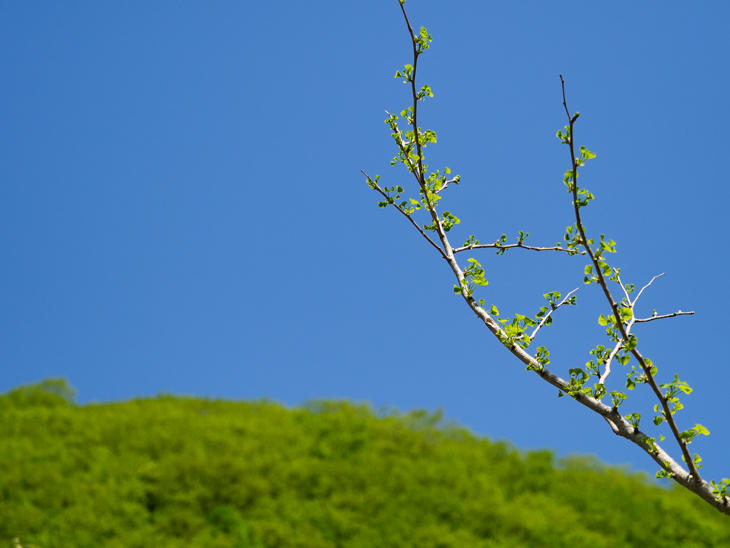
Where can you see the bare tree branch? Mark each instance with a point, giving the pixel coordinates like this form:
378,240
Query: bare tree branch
665,316
625,290
647,285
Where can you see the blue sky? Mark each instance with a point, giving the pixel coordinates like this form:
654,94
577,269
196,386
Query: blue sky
182,209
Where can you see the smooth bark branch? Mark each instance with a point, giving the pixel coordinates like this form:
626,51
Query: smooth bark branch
665,316
565,301
646,286
452,181
619,345
626,291
519,246
655,316
619,425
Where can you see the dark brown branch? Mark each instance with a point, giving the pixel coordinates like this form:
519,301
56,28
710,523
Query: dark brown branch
376,186
416,134
404,147
614,306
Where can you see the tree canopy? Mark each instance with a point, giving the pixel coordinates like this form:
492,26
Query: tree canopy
183,471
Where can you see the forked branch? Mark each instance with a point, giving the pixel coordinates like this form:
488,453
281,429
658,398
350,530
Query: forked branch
513,333
600,277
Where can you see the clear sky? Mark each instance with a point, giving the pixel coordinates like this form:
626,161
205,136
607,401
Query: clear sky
182,211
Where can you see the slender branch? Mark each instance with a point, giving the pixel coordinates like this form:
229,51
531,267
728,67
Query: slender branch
376,186
626,291
612,355
655,316
647,285
665,316
404,147
414,123
553,309
669,417
452,181
518,245
634,320
607,365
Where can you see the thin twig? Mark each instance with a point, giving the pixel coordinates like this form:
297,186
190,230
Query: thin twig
552,309
414,124
376,186
612,355
452,181
665,316
632,321
518,245
647,285
405,148
625,290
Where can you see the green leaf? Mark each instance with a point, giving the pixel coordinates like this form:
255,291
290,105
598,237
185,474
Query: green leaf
626,313
632,342
602,320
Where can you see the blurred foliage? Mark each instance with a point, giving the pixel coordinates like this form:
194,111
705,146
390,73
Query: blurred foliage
176,471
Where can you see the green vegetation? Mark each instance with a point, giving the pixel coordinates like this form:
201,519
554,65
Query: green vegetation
174,471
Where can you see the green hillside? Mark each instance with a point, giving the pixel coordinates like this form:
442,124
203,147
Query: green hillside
174,471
